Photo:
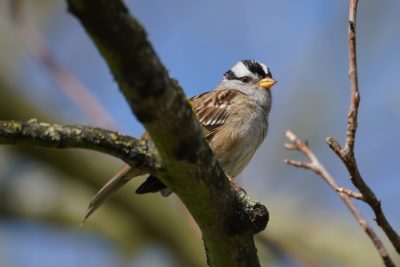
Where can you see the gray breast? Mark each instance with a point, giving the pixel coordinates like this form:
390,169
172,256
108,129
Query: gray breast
252,133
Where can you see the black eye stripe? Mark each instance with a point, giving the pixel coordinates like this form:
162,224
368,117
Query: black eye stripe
230,75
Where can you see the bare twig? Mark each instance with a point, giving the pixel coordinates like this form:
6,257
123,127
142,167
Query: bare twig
80,95
346,153
353,76
350,193
314,164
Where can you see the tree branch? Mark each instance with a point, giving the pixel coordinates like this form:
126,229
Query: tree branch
353,76
346,154
32,132
227,218
314,165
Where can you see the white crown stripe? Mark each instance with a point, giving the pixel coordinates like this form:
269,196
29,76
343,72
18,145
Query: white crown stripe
240,70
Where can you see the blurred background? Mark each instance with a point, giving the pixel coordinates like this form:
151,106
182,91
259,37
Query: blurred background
50,70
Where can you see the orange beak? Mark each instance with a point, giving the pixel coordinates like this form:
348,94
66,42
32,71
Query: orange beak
266,83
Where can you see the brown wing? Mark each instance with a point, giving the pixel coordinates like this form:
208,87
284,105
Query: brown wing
212,109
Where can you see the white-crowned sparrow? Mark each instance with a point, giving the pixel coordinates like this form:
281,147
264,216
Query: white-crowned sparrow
234,117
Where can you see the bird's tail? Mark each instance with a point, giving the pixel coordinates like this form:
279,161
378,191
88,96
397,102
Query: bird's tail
115,183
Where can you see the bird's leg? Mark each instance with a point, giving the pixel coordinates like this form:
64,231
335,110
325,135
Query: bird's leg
233,182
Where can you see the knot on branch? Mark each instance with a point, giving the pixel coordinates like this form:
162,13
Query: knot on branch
259,217
250,216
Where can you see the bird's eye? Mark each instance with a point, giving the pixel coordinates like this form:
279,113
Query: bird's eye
245,79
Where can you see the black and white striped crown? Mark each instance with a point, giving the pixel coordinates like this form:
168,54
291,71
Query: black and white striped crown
246,67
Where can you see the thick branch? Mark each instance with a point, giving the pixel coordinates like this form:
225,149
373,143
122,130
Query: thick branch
227,219
315,165
32,132
346,154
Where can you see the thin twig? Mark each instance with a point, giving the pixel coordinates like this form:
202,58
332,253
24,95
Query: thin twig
353,76
346,153
350,193
80,95
314,164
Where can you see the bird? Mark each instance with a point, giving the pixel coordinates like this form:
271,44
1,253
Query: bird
234,120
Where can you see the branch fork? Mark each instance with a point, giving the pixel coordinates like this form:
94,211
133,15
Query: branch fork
315,165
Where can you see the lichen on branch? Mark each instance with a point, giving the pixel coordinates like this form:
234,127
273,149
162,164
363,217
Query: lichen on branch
133,151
